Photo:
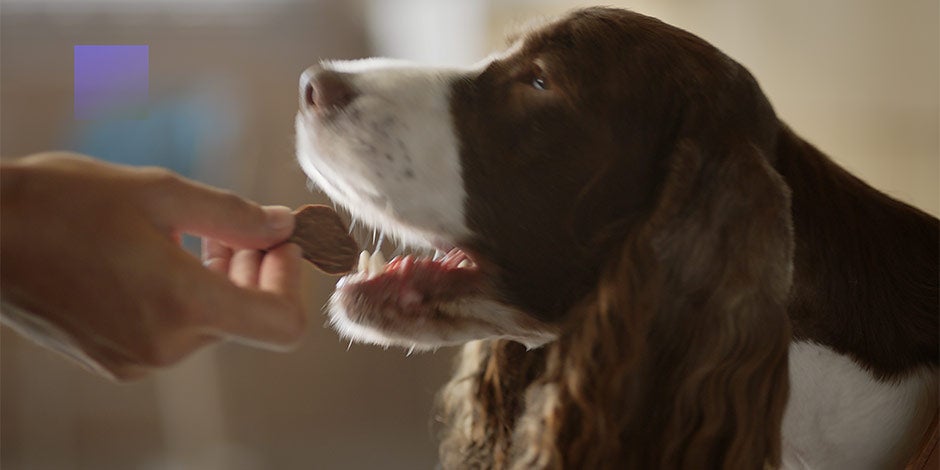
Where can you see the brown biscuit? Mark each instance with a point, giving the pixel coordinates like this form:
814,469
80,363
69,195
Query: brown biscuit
324,239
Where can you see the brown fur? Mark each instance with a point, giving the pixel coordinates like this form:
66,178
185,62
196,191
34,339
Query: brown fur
645,205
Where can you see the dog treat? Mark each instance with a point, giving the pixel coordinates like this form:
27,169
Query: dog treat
324,239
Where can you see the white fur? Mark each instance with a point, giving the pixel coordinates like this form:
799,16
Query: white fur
458,323
391,155
840,417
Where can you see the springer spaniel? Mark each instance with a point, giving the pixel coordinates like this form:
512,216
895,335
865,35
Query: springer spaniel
648,269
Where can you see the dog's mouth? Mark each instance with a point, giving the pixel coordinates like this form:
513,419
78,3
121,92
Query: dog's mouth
413,282
395,167
425,301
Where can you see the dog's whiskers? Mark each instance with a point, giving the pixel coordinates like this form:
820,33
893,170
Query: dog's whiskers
378,246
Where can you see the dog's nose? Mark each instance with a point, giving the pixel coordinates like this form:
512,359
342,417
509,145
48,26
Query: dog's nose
324,90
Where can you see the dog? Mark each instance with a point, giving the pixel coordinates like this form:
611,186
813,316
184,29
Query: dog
646,268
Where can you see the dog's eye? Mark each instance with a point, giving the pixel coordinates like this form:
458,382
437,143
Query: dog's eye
539,83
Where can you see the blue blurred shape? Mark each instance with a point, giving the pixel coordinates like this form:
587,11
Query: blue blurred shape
179,133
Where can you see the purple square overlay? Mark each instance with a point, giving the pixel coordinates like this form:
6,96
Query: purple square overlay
111,81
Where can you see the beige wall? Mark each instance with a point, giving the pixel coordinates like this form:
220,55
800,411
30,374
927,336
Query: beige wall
859,78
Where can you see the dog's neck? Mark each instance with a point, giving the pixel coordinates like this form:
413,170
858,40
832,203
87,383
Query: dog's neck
865,269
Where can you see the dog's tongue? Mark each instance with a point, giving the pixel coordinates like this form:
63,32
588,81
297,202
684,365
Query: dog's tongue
324,239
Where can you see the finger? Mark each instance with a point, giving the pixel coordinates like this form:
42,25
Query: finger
216,256
213,305
214,249
281,272
244,267
252,316
257,318
188,206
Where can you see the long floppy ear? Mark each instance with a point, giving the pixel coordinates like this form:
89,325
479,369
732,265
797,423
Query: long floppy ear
477,409
679,358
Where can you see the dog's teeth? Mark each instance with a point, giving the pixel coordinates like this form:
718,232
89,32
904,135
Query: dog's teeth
364,262
464,264
438,254
376,264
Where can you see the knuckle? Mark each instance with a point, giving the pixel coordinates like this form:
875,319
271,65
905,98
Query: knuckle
158,177
157,354
158,187
230,198
236,204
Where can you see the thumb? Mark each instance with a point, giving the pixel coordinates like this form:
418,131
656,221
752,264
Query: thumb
192,207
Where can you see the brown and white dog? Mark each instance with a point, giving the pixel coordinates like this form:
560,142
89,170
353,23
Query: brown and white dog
647,268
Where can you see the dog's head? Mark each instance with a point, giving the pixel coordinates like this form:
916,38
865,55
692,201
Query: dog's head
608,182
528,168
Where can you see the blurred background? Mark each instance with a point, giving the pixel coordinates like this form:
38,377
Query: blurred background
858,78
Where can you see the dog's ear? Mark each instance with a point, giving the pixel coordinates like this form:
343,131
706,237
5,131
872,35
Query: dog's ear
678,359
477,409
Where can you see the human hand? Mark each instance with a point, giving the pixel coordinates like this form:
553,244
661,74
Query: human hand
92,265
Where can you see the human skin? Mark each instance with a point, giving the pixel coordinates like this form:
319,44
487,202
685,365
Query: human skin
91,250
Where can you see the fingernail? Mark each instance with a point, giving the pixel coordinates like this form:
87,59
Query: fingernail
278,217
